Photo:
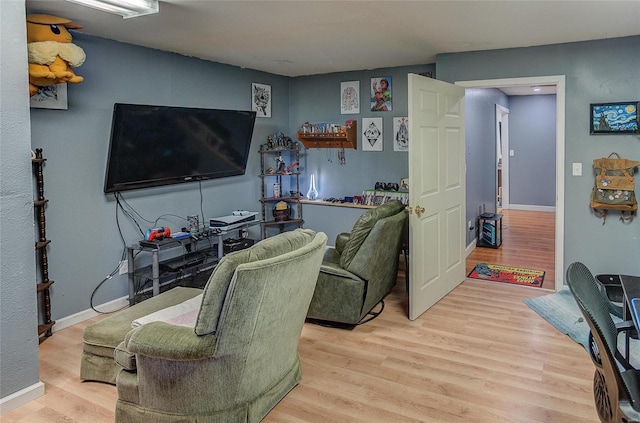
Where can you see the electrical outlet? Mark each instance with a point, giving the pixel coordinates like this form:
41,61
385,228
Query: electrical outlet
124,267
470,225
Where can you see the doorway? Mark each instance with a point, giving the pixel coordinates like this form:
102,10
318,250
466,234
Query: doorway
502,160
557,81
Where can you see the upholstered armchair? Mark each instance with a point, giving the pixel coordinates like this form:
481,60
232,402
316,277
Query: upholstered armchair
241,357
362,268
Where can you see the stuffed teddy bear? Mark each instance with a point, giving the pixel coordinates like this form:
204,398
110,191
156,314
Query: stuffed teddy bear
51,53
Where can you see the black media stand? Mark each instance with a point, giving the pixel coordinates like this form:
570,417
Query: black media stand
199,254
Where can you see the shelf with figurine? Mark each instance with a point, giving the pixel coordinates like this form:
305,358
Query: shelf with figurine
280,185
329,135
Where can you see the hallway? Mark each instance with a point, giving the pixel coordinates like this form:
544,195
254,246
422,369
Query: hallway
528,242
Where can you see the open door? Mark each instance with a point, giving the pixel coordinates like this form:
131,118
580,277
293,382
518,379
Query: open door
437,191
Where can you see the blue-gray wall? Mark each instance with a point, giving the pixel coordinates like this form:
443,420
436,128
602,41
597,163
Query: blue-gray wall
532,137
596,71
480,131
317,99
81,222
18,325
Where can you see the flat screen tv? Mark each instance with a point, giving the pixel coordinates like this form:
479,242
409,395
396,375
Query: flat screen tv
163,145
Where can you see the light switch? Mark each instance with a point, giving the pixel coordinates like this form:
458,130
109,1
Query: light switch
512,153
577,169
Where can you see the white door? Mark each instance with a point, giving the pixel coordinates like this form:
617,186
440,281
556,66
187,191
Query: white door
437,191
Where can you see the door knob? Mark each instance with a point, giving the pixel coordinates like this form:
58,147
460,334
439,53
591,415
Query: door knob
419,210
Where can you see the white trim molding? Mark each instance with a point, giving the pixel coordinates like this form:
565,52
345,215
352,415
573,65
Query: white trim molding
20,398
560,82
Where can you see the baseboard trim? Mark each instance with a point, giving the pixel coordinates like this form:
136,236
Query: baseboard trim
20,398
68,321
532,208
470,247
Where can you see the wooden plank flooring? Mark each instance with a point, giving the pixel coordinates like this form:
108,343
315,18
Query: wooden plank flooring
528,241
479,355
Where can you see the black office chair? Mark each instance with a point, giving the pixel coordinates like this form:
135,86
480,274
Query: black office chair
616,384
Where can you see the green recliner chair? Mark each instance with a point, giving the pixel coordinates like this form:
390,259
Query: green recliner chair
361,269
241,357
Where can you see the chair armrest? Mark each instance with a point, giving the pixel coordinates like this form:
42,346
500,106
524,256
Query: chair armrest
336,270
166,341
341,241
625,325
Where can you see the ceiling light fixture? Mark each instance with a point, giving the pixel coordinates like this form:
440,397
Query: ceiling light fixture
536,89
125,8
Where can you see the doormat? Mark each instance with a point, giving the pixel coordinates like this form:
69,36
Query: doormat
507,274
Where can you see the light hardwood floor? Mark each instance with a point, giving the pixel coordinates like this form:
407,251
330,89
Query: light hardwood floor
479,355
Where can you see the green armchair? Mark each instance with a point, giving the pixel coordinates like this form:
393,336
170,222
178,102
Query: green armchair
361,269
241,357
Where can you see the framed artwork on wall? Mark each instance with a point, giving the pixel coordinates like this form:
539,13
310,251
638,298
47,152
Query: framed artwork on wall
261,99
50,97
381,97
401,134
372,139
350,97
614,118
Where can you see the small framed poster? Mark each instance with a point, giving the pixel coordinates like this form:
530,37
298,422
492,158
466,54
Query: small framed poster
50,97
372,139
401,134
261,99
350,97
381,97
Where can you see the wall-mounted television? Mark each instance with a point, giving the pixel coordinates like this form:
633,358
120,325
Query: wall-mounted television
615,118
163,145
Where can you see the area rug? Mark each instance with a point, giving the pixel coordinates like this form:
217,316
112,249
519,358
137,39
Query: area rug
561,310
507,274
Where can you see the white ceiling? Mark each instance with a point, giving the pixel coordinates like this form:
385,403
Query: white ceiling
308,37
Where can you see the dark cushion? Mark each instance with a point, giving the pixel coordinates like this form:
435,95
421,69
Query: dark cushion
216,288
363,226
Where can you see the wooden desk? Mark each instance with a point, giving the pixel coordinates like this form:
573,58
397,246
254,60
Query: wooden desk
631,289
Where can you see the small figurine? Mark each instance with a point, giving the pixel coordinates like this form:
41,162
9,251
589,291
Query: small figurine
292,168
280,164
270,170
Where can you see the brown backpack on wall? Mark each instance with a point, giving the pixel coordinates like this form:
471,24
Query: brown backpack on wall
614,187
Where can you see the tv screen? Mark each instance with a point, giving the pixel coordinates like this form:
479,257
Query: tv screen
162,145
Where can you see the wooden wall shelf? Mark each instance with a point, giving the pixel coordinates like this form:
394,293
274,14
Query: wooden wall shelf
42,287
347,139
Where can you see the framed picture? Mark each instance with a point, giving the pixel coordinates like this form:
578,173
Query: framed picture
615,118
50,97
261,99
401,134
381,97
350,97
372,139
